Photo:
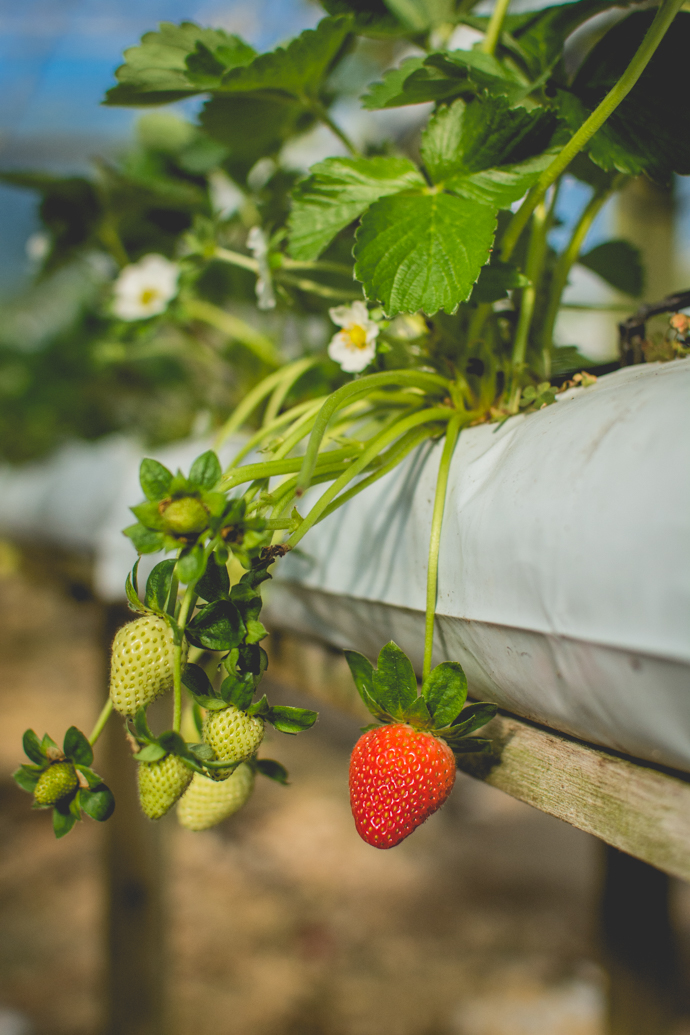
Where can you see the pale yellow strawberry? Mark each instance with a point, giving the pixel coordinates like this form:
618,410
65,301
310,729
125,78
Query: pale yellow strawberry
54,783
232,735
161,784
206,802
142,663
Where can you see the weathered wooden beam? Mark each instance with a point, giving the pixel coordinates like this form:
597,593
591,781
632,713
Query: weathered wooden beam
637,808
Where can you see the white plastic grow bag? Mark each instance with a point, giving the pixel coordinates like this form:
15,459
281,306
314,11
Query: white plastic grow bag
564,583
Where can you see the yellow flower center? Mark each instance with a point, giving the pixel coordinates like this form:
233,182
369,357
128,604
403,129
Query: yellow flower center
357,336
148,295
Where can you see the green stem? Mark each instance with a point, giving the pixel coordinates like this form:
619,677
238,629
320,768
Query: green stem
245,409
273,468
656,32
322,114
266,430
318,265
563,266
187,603
494,27
533,267
100,722
348,393
452,433
236,259
262,347
431,415
279,395
314,288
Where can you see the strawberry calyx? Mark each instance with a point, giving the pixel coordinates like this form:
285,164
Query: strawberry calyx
390,693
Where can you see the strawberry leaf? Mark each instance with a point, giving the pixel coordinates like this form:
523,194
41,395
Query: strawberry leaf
214,584
291,720
158,586
27,777
394,681
205,472
154,479
191,564
337,192
97,802
197,682
238,691
470,745
501,186
418,714
495,280
422,251
77,747
145,540
391,91
445,692
33,748
217,626
474,717
619,263
63,819
273,770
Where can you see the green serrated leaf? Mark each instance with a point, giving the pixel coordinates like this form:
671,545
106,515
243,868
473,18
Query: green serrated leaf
33,748
98,802
191,564
217,626
337,192
158,585
154,479
252,126
495,281
144,539
273,770
422,251
418,714
391,92
291,720
541,35
395,683
205,472
197,682
298,69
27,777
77,747
445,692
151,753
500,187
619,263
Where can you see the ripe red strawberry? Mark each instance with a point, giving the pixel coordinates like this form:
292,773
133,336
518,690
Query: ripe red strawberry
399,776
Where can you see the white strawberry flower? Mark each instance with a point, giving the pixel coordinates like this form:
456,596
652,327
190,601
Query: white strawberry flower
145,288
355,346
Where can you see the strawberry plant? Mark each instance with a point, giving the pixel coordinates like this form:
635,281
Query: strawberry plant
431,261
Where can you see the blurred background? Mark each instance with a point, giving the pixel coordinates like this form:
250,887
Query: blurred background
281,922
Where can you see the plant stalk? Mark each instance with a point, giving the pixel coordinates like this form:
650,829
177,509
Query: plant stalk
262,347
245,409
653,37
493,31
533,267
452,432
100,722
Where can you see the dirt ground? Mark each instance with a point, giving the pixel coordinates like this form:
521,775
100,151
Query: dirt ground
282,922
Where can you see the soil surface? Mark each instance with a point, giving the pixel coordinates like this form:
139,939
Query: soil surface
281,921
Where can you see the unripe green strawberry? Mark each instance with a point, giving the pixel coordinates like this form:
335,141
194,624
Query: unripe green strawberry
232,735
184,516
206,802
161,784
54,783
142,663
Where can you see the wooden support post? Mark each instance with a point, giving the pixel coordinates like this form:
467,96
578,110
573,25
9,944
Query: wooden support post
134,878
638,946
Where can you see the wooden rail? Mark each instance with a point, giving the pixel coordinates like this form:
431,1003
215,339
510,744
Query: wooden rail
636,807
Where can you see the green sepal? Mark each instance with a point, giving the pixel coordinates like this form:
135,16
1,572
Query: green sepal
131,593
214,584
370,727
148,515
445,692
63,818
470,745
418,714
197,682
33,748
273,770
191,564
257,574
144,539
217,626
152,752
158,586
205,472
92,778
48,743
363,675
173,743
97,802
260,708
248,600
474,717
291,720
27,777
252,658
394,681
76,746
255,631
154,479
239,692
141,726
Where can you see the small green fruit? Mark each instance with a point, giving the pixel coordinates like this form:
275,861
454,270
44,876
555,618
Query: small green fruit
184,516
232,735
161,784
55,783
142,663
206,803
